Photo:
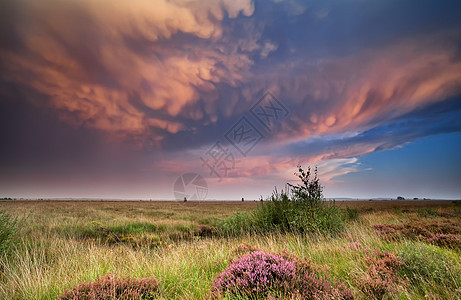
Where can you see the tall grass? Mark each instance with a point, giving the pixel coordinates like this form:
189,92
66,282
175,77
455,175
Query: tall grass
8,229
431,269
44,262
281,214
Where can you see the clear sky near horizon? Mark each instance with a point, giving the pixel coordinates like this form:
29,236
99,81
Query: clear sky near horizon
120,99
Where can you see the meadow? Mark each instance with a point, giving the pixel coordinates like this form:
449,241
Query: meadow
386,250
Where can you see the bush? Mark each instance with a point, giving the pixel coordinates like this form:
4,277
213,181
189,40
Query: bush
114,287
259,275
8,230
310,190
304,212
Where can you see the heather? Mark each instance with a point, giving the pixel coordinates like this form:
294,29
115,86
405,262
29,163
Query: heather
260,275
444,232
381,277
255,275
114,287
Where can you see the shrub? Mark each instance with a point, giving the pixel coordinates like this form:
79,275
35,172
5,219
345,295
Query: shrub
304,212
259,275
301,216
114,287
282,215
8,230
310,190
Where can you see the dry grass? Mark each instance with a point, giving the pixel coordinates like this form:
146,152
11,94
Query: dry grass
397,204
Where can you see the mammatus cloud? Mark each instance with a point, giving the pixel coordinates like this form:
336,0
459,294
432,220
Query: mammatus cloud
138,69
339,101
363,90
103,64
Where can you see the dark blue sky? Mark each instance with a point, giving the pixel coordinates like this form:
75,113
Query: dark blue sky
118,101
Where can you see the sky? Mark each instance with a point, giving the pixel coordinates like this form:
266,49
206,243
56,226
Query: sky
222,99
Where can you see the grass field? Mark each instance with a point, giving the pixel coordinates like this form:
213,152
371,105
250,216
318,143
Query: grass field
61,244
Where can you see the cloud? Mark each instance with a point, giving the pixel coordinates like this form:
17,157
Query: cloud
366,89
339,154
292,7
333,168
105,64
150,70
267,48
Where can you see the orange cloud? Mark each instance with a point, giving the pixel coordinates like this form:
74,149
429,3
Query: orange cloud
365,89
79,54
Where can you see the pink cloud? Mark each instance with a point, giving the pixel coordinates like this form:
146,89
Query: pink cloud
365,89
77,54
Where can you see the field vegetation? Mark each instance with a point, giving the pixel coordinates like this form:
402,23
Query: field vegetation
294,246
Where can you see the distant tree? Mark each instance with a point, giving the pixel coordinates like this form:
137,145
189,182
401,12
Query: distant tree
185,199
243,199
400,198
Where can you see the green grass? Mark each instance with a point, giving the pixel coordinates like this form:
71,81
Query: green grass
431,269
281,214
8,230
58,247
